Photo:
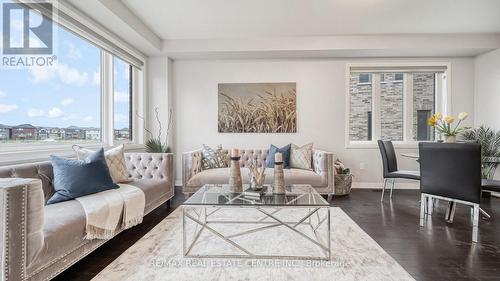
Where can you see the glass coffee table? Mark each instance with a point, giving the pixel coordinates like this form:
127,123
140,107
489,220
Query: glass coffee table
219,223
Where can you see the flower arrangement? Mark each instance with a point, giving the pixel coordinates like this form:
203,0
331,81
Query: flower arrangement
443,125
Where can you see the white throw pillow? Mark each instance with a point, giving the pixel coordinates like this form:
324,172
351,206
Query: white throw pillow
301,157
115,158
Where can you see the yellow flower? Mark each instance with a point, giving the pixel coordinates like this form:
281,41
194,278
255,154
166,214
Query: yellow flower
449,119
432,121
438,115
463,115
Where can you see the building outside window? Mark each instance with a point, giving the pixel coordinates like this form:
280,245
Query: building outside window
383,104
391,107
360,94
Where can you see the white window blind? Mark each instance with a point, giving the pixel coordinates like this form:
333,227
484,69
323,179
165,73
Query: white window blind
398,69
75,26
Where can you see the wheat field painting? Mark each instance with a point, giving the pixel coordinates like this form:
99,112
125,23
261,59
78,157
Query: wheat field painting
257,108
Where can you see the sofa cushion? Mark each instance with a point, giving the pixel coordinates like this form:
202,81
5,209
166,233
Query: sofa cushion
300,176
154,190
221,176
64,223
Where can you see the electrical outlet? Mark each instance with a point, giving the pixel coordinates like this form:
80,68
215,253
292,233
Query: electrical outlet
362,166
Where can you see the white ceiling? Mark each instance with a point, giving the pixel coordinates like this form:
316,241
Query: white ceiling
206,19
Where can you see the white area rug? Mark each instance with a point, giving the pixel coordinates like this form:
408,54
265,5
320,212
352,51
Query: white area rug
158,256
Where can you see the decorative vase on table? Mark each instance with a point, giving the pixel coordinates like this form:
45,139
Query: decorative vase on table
279,176
444,125
257,175
235,183
450,139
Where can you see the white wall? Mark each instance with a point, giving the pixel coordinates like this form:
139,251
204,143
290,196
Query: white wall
159,74
487,89
320,105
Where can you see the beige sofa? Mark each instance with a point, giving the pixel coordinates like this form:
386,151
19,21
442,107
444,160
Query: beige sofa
320,177
39,241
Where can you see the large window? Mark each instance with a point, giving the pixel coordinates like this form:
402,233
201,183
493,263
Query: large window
122,119
393,105
54,104
67,102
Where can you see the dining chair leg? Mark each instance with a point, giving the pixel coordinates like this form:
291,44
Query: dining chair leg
392,187
430,205
423,208
483,212
475,223
383,190
450,212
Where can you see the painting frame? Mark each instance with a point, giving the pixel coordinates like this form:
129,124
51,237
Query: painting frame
257,107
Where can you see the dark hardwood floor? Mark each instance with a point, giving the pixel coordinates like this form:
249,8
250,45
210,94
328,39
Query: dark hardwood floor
439,252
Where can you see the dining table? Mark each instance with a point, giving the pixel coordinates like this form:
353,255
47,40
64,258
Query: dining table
451,206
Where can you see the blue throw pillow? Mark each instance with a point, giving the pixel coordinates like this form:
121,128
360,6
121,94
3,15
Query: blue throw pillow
285,151
76,178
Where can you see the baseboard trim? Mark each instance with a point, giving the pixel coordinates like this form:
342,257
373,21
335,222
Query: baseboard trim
379,185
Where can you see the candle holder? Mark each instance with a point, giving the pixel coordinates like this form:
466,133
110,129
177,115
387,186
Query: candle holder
235,183
279,178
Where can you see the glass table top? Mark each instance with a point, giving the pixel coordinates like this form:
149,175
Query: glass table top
220,195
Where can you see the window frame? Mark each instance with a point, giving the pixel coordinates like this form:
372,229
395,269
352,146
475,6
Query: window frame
16,154
443,100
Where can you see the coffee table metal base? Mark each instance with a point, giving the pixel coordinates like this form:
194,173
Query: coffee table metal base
317,218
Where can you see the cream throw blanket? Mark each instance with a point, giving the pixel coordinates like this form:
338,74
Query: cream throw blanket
112,210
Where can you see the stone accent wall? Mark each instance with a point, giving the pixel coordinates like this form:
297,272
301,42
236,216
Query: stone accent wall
392,105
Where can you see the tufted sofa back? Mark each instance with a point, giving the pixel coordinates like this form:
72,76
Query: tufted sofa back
153,166
248,154
40,170
150,166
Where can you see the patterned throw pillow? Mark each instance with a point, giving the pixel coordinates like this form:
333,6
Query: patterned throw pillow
213,158
115,158
196,164
301,157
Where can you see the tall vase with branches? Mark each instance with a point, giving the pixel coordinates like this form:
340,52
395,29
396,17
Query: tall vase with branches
490,147
156,144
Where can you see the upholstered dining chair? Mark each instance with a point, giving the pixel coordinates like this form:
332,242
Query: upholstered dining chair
451,172
390,166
